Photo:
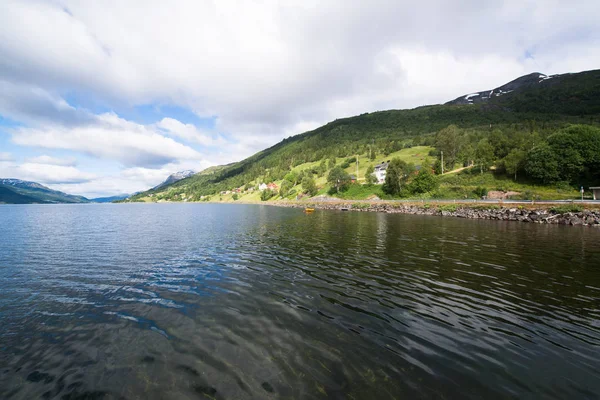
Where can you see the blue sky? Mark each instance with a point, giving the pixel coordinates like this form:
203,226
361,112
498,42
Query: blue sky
104,98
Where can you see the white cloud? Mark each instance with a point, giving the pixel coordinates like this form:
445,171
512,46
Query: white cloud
128,181
265,70
34,105
268,66
189,132
4,156
109,137
44,173
44,159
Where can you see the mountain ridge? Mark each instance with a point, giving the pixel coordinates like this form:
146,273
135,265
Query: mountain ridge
177,176
34,192
532,103
109,199
484,96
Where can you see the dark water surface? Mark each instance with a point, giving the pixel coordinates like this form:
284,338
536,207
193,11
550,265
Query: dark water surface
188,301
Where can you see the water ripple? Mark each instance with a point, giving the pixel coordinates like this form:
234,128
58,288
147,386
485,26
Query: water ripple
225,301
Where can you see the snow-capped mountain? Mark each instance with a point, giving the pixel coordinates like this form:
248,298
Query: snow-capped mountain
177,176
525,81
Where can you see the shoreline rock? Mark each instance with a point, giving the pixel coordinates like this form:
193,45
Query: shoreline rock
491,212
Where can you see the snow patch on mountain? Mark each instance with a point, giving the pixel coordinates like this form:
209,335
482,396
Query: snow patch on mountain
22,184
517,84
177,176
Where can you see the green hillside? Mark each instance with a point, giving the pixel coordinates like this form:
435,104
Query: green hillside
9,196
568,94
514,140
36,193
50,196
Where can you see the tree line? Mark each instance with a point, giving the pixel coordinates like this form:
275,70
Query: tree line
570,155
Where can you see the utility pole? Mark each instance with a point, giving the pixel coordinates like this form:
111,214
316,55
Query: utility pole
357,168
442,163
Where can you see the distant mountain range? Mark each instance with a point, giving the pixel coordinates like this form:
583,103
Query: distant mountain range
177,176
109,199
16,191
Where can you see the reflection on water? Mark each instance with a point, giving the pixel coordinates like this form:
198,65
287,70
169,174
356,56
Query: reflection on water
231,301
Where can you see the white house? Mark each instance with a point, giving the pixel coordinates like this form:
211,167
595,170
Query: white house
262,186
381,171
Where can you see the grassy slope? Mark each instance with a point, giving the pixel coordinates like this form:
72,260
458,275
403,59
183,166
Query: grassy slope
463,184
453,185
415,155
572,98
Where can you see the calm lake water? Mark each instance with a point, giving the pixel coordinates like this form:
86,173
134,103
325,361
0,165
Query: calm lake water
189,301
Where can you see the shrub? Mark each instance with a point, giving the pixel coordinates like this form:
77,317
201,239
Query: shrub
485,207
563,186
285,188
424,182
480,191
448,207
529,195
370,175
235,197
309,186
567,208
266,194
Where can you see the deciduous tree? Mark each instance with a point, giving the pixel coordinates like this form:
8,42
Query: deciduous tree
514,161
397,174
338,179
370,175
542,164
309,186
484,155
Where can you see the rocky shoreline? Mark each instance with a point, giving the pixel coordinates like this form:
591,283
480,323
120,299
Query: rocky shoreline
483,211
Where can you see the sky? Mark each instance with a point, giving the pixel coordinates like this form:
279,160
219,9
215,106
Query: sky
100,98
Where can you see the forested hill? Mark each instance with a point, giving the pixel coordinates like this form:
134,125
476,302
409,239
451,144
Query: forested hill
16,191
522,120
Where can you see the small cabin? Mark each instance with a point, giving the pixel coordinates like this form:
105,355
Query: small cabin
596,192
